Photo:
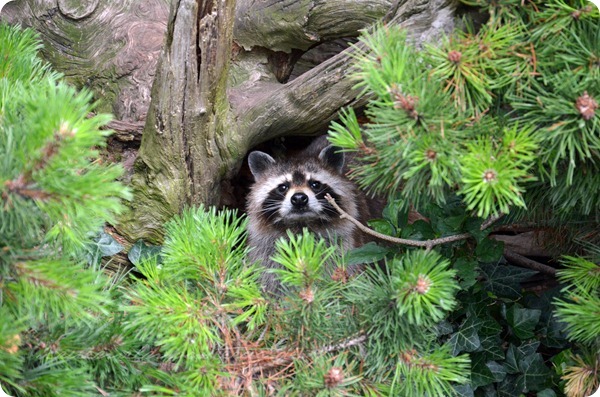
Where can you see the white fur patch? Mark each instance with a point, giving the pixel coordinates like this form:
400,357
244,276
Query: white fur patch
313,208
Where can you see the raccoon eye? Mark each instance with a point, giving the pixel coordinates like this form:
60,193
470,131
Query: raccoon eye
283,188
315,185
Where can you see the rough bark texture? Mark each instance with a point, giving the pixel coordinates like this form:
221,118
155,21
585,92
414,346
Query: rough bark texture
111,47
284,25
221,87
186,147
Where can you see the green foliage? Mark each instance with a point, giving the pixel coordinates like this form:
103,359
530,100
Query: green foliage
176,308
302,258
60,333
582,292
438,119
496,178
21,47
425,287
474,65
478,126
325,375
46,168
218,240
503,330
202,312
427,130
429,375
561,109
498,119
189,305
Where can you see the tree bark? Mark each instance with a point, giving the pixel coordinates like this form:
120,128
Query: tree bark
284,25
222,87
187,145
109,47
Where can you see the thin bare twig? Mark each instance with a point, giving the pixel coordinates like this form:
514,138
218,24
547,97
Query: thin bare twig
428,244
259,363
342,345
490,221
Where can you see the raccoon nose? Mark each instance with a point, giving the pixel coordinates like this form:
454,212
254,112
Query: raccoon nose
299,199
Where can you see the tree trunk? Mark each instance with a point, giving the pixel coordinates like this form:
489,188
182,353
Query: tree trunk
222,87
188,142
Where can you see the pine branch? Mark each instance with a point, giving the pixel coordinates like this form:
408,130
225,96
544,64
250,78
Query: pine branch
428,244
20,186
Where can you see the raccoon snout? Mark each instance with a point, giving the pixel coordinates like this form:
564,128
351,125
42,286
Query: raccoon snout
299,200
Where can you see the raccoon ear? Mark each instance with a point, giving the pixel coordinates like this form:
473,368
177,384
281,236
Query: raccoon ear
332,157
259,162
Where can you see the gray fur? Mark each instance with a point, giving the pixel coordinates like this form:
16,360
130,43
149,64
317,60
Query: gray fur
333,158
263,231
259,162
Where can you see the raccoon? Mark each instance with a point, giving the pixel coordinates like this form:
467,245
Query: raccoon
290,195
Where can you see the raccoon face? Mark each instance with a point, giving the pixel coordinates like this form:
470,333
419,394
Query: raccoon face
292,194
298,197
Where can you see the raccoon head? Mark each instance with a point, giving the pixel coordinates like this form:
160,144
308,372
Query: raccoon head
292,193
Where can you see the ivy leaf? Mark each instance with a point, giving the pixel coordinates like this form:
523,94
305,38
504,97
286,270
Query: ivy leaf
443,328
141,251
448,225
543,302
498,371
103,245
368,253
395,210
511,386
383,226
529,347
466,339
554,333
473,226
546,393
481,374
516,354
466,271
488,325
491,347
107,245
489,250
552,330
484,372
512,356
422,230
535,373
488,391
464,390
504,280
523,321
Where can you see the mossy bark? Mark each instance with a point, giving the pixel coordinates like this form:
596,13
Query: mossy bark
109,47
187,144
